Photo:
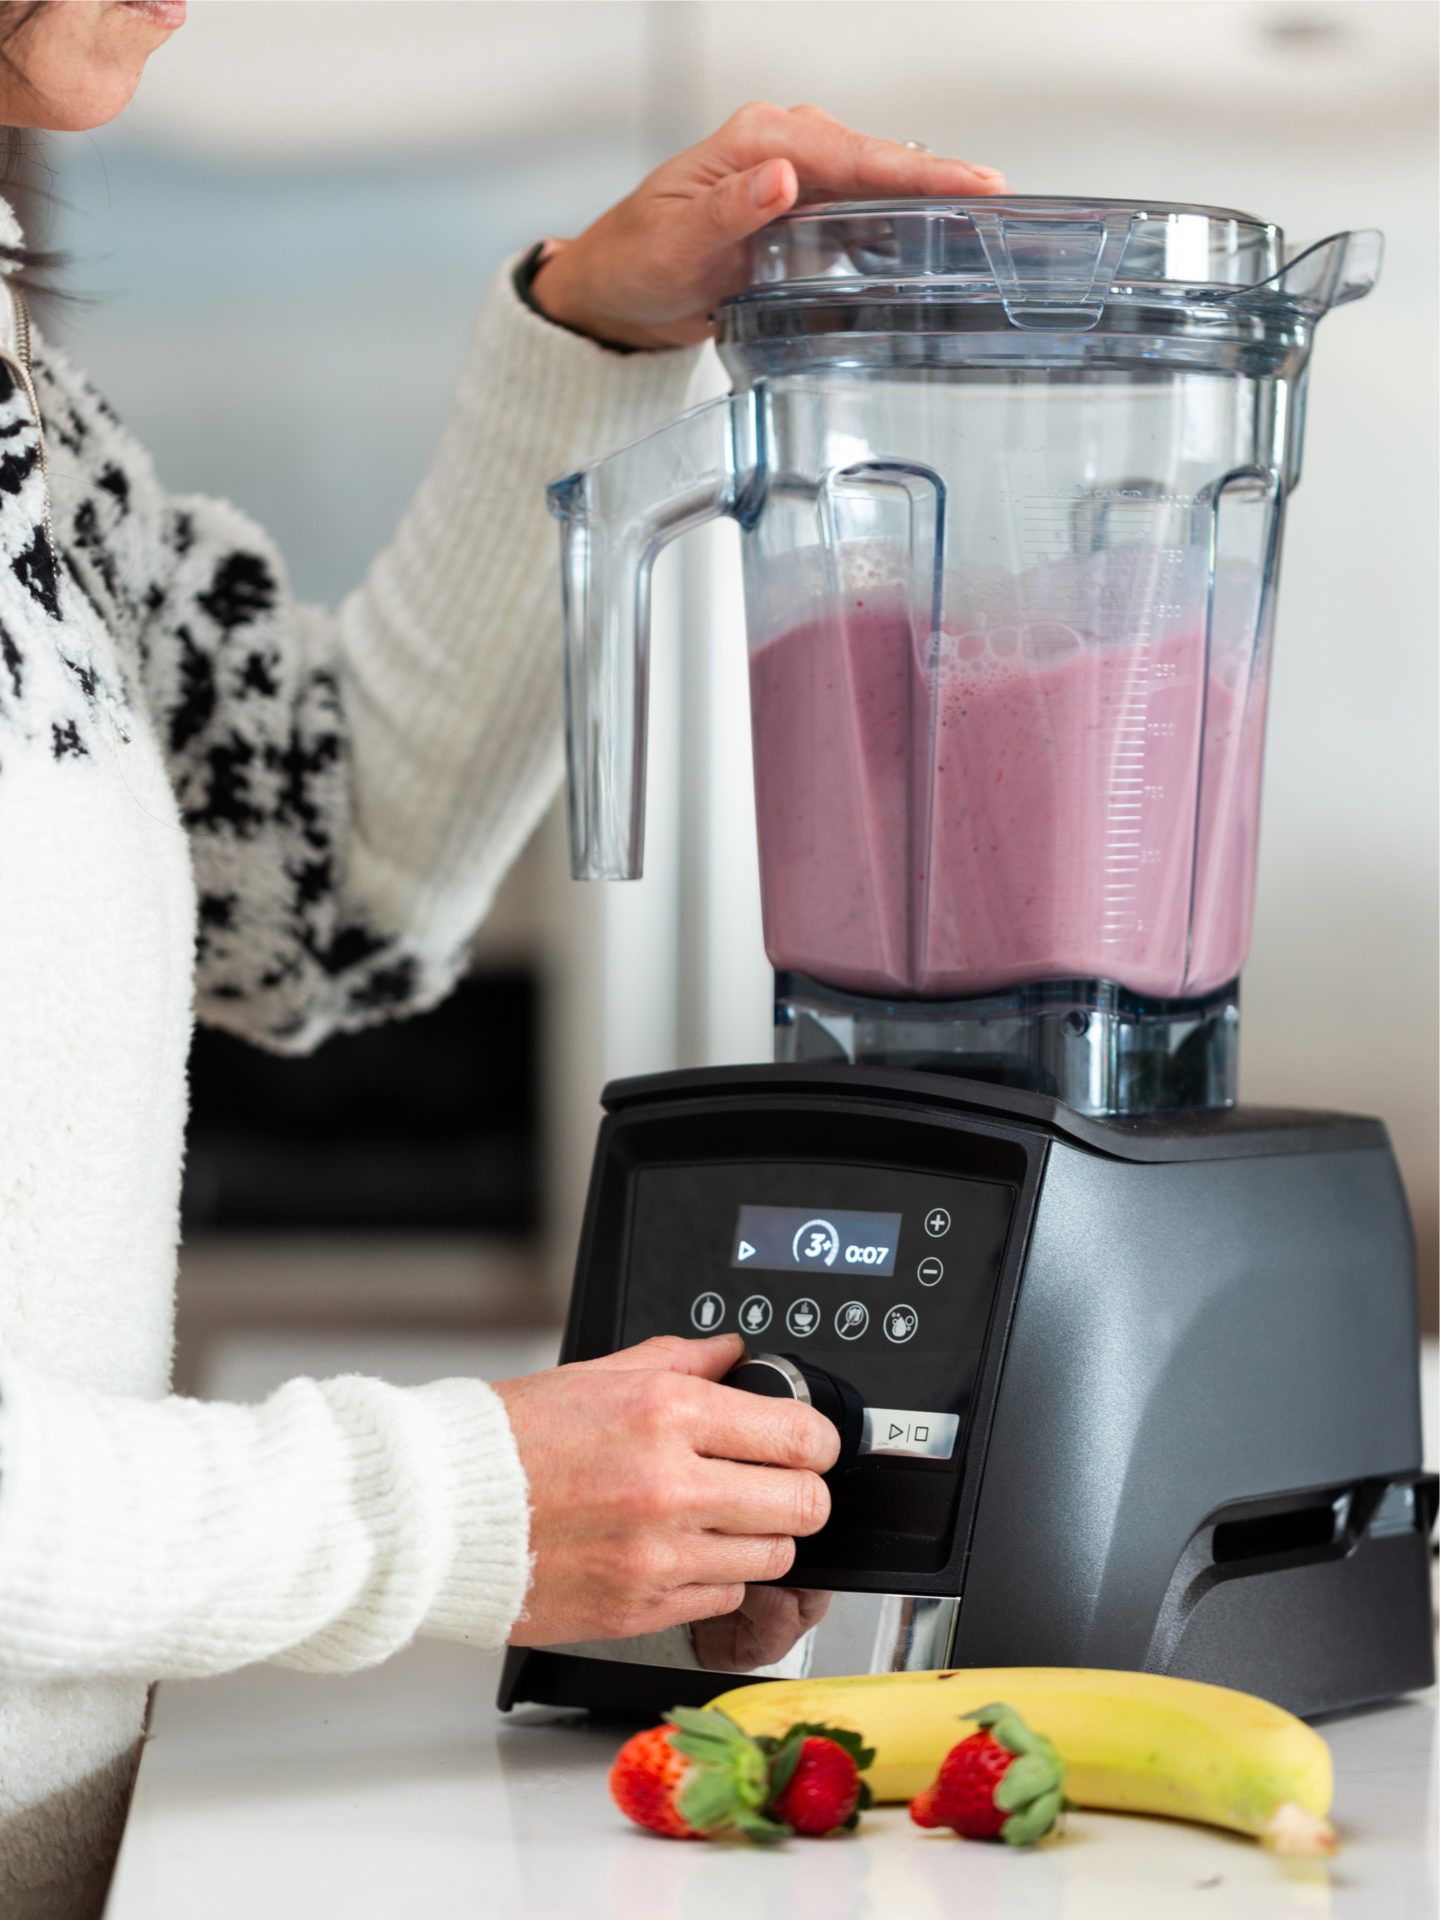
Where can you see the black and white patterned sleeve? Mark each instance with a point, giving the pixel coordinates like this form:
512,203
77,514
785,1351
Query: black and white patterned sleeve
238,681
243,687
355,783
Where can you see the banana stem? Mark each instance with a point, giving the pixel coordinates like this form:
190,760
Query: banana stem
1290,1829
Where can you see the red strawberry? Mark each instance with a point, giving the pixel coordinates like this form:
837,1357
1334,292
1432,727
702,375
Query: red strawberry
823,1792
697,1775
815,1778
963,1796
645,1782
1004,1782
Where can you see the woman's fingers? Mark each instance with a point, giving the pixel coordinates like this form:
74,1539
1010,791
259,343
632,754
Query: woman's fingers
716,1559
709,1359
697,1602
833,160
826,168
650,272
744,1500
727,1424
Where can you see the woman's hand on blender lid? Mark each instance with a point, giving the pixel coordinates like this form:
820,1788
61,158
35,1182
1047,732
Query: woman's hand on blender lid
650,272
656,1493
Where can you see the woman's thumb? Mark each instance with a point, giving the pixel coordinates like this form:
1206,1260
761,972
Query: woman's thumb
744,202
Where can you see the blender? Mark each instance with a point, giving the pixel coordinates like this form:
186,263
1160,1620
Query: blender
1125,1374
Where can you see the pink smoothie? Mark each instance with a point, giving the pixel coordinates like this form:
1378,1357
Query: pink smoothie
1024,811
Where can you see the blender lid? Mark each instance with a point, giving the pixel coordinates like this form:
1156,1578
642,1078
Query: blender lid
1047,261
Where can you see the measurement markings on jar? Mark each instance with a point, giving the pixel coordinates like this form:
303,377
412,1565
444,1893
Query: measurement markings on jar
1125,803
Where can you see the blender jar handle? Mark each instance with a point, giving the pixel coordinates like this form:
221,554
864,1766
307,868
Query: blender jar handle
615,517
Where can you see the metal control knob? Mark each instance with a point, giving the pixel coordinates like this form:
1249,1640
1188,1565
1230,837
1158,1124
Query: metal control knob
785,1376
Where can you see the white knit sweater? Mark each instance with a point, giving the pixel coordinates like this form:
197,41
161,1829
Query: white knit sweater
328,801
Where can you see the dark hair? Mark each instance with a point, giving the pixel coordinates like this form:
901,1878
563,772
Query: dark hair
21,159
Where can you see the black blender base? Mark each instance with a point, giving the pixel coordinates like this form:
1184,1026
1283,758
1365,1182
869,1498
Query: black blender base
1319,1636
533,1676
1180,1353
1315,1630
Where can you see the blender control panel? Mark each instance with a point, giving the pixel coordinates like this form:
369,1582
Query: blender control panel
883,1276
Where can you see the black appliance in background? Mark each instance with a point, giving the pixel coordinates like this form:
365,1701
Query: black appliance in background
430,1122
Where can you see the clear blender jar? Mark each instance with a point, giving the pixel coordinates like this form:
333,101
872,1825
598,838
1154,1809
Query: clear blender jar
1011,477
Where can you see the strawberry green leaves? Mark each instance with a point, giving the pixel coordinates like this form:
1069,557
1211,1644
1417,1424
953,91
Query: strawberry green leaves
1032,1789
729,1781
734,1783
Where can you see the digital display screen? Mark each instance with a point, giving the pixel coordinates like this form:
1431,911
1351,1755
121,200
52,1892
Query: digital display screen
831,1241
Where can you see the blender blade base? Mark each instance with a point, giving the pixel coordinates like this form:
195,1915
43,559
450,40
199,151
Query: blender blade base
1095,1045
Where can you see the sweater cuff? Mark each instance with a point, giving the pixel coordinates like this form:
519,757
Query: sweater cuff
523,280
559,394
480,1594
321,1530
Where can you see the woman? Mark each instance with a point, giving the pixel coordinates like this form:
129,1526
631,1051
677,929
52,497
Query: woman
217,802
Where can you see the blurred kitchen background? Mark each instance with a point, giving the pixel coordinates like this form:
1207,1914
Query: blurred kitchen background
282,246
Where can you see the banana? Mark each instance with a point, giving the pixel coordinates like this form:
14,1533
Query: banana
1132,1742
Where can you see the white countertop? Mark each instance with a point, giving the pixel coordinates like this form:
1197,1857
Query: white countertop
402,1792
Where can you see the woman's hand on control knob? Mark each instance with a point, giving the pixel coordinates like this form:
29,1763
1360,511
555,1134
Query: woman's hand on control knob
650,272
644,1511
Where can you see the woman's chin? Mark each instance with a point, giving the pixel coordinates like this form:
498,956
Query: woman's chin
78,66
97,107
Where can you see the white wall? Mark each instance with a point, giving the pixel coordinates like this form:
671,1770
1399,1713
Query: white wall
1316,115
